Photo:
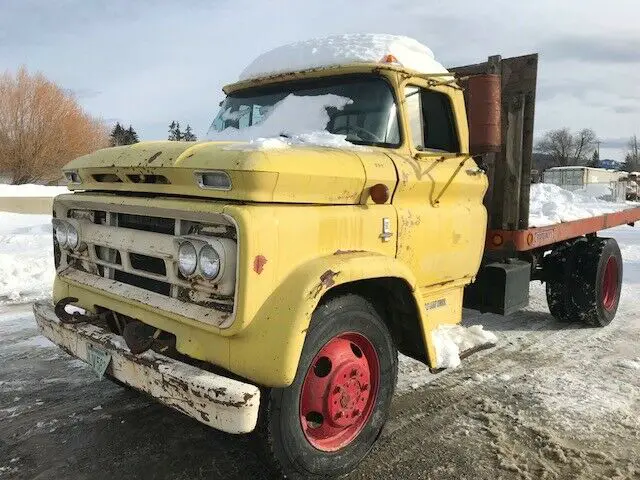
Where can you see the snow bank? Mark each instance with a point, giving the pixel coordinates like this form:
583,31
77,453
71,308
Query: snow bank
295,120
31,190
451,340
550,204
342,49
26,257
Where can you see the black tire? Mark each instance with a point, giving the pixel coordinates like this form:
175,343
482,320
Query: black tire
280,429
559,266
596,289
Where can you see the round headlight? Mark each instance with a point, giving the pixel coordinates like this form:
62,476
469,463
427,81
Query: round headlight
209,262
73,238
187,259
61,234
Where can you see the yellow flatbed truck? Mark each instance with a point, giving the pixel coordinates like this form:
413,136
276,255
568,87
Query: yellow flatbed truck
270,289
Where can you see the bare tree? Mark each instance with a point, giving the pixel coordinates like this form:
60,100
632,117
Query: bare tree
42,127
567,148
584,143
558,144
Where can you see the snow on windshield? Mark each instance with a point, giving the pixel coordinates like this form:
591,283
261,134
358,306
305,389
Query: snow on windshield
342,49
293,120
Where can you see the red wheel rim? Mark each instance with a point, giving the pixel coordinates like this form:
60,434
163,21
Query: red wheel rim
610,284
339,391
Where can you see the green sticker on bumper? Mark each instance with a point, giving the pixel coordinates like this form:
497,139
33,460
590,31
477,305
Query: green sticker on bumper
98,359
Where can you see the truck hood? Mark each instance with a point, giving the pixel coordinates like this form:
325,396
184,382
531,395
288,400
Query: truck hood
303,174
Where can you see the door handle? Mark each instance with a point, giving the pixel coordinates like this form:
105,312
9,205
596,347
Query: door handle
474,171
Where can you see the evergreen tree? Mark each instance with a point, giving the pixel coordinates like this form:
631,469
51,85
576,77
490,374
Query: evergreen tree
629,165
595,160
131,136
174,132
120,136
117,135
189,136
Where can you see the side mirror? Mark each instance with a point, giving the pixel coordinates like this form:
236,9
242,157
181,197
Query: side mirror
484,113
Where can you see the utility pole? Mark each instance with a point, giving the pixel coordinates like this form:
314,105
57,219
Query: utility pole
598,142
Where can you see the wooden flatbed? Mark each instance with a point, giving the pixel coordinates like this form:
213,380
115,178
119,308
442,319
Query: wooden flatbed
538,237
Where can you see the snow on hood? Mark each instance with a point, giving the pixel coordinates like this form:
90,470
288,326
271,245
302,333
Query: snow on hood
311,139
342,49
295,120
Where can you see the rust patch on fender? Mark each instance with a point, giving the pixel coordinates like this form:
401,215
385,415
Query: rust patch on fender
326,279
154,156
345,252
258,263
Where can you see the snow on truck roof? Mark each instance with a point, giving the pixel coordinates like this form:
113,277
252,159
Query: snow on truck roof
343,49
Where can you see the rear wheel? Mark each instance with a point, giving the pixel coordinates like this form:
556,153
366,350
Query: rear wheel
559,266
328,419
597,282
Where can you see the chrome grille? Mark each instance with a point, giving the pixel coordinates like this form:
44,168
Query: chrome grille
139,250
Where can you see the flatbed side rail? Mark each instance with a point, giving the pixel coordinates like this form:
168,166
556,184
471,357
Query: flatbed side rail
533,238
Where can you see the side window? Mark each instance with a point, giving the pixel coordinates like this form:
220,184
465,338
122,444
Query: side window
414,115
431,120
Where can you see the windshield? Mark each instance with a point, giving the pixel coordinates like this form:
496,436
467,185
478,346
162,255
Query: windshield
360,110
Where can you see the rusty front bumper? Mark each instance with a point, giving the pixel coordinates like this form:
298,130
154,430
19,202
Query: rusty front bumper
220,402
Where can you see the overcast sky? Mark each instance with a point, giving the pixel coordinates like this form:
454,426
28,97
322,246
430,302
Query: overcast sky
147,62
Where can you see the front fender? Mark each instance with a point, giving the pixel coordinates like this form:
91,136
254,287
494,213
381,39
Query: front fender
268,350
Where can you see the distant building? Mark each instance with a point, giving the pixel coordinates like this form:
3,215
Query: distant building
609,164
612,183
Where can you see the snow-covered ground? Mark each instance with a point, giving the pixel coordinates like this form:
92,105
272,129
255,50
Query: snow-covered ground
26,257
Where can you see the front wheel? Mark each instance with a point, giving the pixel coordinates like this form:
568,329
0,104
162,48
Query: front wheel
328,419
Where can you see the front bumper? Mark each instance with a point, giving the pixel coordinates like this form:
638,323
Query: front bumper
220,402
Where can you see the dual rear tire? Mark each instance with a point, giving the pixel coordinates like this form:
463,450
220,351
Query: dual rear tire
584,280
